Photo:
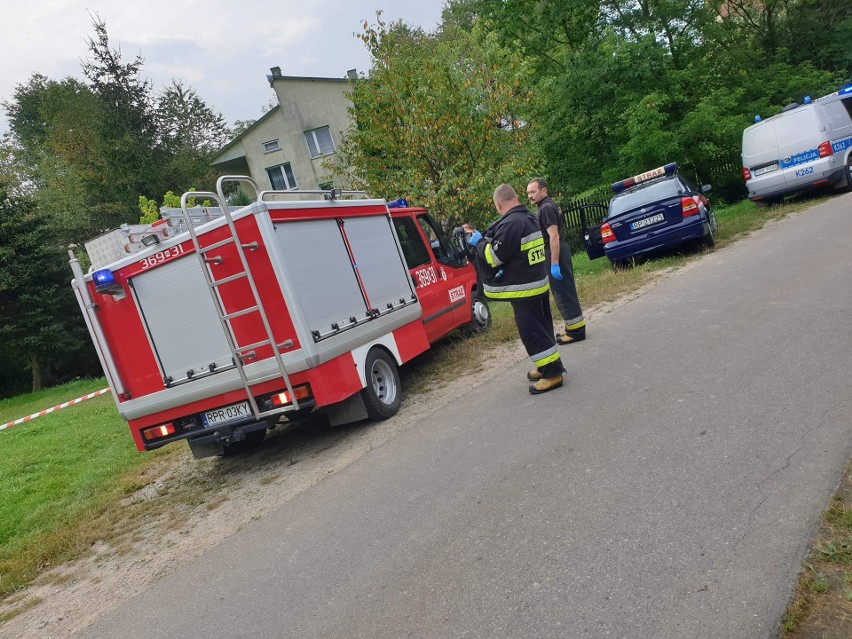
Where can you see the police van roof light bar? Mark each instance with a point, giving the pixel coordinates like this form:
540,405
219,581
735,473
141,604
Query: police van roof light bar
667,169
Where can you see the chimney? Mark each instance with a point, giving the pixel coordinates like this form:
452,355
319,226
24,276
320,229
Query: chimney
275,72
352,74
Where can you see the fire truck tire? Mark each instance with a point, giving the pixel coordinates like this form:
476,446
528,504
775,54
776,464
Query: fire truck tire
480,315
382,394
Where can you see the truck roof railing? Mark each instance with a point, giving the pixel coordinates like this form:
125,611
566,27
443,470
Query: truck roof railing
310,195
289,194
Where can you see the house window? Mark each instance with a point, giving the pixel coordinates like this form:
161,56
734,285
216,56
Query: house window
272,145
319,142
281,177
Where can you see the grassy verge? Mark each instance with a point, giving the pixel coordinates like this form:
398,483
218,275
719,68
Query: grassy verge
63,476
822,604
58,474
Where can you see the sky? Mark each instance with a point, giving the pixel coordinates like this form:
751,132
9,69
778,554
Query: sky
222,49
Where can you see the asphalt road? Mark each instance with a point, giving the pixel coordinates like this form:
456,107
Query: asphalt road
670,490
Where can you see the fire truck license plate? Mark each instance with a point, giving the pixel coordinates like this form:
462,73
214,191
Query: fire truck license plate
226,415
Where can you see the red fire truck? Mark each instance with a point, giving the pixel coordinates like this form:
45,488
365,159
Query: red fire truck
211,324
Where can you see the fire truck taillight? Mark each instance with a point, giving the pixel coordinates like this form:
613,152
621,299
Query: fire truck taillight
163,430
283,399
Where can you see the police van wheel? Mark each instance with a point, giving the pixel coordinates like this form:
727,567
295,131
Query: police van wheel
849,173
382,394
480,315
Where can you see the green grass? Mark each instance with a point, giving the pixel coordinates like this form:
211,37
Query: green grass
63,475
57,473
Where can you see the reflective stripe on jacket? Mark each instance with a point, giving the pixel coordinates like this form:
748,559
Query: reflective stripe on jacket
514,248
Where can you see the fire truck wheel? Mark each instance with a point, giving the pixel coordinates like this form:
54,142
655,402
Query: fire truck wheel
382,394
480,315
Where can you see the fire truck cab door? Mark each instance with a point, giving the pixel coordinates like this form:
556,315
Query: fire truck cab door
449,263
426,275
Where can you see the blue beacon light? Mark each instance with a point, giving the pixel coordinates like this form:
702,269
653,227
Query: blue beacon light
807,100
105,282
401,203
757,118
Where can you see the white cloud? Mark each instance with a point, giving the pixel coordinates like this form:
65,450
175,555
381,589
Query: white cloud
222,49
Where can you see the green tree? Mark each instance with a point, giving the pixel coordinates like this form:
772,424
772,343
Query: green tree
40,323
623,85
78,155
189,132
440,120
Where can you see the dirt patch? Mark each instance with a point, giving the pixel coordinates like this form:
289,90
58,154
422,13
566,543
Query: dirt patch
190,506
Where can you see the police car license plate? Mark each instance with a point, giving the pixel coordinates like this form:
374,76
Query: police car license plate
765,169
640,224
226,415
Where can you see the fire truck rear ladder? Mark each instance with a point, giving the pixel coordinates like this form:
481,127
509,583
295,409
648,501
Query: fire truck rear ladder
239,352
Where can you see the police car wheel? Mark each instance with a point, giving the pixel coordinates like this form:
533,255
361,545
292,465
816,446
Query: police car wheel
709,241
480,315
382,394
714,225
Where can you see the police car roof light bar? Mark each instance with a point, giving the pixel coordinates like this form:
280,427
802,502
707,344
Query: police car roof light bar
846,89
667,169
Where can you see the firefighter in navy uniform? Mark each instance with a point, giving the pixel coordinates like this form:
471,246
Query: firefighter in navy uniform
510,258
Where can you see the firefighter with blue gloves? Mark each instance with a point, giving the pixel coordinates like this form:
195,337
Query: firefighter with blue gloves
562,285
510,258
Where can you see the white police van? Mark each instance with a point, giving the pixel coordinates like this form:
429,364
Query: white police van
806,145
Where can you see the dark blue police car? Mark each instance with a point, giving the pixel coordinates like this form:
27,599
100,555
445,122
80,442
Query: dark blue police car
658,209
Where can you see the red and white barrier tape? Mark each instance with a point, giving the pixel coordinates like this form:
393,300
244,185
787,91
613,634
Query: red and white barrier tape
50,410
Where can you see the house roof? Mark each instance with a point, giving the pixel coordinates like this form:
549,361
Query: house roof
272,79
237,139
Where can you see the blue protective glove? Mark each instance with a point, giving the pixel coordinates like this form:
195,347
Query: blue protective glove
473,240
555,273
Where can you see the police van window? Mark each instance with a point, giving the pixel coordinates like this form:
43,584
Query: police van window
797,129
836,116
847,102
412,244
652,192
437,238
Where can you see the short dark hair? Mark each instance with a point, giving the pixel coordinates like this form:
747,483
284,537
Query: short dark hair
540,182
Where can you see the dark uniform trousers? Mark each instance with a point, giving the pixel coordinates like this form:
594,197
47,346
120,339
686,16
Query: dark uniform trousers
565,290
535,326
